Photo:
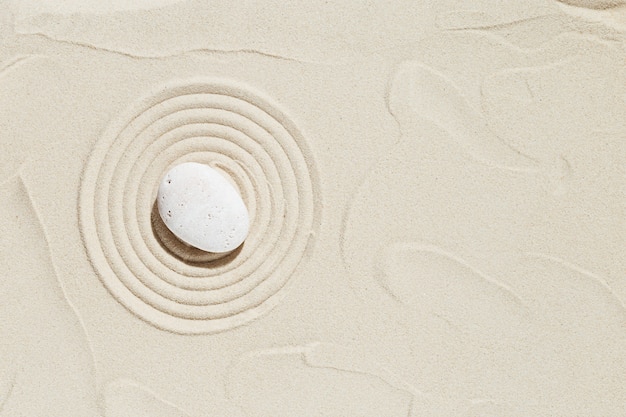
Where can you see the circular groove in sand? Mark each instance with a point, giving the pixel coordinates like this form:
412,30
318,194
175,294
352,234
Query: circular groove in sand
207,121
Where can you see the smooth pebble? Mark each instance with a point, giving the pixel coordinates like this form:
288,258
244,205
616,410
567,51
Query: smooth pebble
202,209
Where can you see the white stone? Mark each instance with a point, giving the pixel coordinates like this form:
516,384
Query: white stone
202,208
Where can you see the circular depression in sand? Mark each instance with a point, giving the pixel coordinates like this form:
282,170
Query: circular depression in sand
234,129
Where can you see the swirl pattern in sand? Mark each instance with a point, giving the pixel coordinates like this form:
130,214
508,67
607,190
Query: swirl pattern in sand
233,129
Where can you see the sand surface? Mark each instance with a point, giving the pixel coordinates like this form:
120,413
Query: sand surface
437,193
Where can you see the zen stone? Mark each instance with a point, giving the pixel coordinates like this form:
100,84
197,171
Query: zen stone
202,209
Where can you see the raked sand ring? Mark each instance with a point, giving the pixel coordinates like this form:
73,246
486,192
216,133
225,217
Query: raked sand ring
194,298
233,129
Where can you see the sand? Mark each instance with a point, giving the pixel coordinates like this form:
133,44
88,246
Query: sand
437,194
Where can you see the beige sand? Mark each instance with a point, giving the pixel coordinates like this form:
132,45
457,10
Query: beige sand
437,192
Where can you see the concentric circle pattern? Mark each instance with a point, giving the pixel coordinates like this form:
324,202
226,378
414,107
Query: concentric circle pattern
151,273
